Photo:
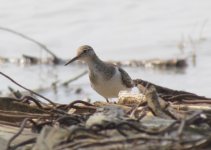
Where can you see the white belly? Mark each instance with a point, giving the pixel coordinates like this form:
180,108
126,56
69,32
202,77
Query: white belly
109,88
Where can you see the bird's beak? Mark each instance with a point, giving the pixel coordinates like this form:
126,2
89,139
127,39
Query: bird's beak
72,60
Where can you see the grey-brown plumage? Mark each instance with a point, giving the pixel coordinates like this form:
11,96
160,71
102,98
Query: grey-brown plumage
107,79
126,79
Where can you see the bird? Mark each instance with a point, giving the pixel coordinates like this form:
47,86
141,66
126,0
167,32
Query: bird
106,79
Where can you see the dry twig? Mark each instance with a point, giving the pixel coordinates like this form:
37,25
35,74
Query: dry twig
51,102
56,59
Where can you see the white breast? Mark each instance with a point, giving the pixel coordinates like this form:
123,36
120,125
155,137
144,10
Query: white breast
109,88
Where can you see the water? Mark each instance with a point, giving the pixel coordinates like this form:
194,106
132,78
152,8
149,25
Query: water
117,30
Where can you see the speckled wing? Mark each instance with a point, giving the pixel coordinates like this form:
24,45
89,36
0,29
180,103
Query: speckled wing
126,79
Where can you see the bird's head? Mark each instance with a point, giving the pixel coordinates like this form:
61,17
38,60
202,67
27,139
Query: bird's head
84,53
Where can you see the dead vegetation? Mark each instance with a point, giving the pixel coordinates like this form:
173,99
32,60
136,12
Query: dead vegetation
162,118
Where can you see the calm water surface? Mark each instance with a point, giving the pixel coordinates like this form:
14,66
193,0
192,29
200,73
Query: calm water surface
117,30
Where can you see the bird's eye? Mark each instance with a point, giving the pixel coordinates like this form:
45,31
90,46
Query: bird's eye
85,51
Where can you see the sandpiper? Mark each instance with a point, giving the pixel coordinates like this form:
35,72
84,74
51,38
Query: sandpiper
106,79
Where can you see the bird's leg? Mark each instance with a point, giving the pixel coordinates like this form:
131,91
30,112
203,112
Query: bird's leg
107,100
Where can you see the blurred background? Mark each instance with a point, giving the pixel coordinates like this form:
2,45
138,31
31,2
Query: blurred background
120,30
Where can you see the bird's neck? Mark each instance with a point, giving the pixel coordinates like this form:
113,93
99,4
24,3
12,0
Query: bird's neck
99,68
95,62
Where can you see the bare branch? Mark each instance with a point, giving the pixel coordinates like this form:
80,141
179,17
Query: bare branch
56,59
27,89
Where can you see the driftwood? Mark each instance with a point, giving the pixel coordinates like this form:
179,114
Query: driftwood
12,104
155,123
154,104
73,130
173,95
154,63
158,64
